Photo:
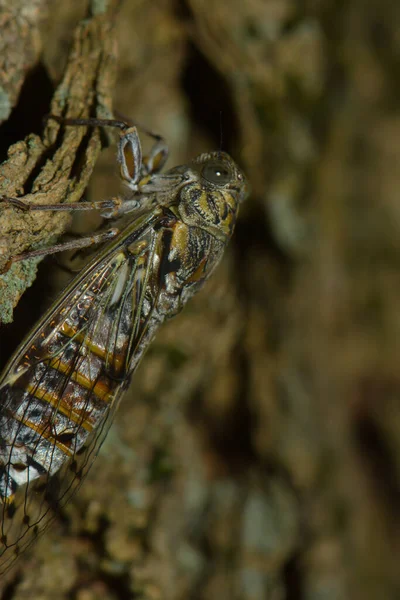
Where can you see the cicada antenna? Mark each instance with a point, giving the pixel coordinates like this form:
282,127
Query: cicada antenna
220,132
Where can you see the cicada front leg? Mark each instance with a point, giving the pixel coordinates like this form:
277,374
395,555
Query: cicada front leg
135,171
134,167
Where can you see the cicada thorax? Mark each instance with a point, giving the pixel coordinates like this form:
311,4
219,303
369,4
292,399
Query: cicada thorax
210,199
208,208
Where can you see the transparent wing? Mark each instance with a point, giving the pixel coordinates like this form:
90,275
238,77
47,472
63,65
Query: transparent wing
59,393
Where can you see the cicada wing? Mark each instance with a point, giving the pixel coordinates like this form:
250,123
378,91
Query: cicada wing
35,504
60,392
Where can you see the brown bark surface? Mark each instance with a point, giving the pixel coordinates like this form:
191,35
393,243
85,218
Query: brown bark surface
256,455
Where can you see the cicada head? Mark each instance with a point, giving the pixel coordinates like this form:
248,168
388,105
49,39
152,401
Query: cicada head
214,190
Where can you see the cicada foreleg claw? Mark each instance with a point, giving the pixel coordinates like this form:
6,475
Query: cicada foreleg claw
135,169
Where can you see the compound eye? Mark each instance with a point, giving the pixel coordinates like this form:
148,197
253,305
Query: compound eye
217,173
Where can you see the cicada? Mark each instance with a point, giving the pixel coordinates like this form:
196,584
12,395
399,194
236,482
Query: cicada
60,390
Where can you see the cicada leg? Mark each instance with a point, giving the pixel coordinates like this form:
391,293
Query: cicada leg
83,242
135,171
133,165
135,168
113,204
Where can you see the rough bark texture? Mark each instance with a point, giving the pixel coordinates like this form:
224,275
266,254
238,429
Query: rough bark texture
256,454
49,170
